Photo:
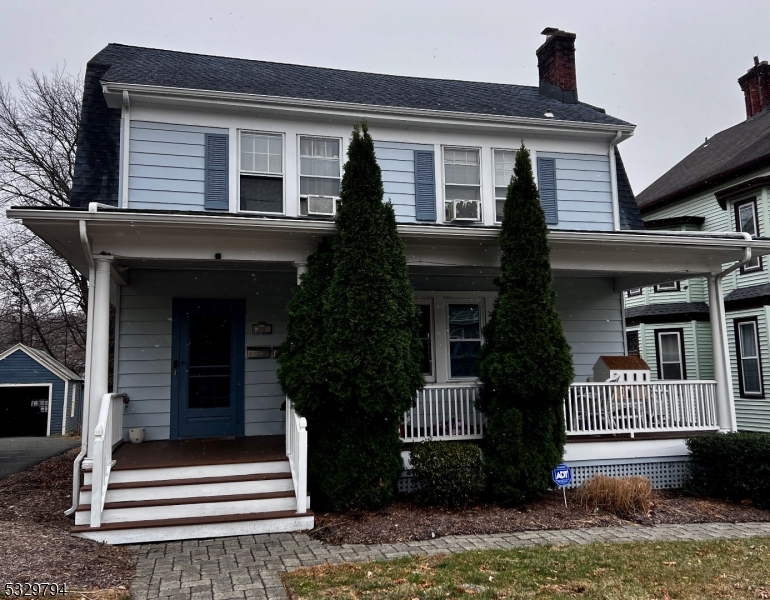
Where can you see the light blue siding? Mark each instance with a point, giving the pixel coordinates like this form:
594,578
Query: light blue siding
167,166
396,159
583,191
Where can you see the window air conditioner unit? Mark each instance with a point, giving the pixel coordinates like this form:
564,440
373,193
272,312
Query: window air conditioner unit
465,210
321,206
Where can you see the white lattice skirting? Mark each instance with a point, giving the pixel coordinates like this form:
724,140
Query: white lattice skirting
664,473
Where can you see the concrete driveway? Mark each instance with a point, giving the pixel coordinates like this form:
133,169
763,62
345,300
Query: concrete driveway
17,454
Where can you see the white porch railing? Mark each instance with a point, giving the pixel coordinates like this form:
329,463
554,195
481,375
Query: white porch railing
296,451
107,435
662,406
443,412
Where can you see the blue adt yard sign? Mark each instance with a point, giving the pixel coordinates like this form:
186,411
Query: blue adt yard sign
562,475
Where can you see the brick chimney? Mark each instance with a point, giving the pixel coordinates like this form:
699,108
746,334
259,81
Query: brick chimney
556,63
756,87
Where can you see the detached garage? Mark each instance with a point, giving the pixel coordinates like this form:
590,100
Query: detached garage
38,395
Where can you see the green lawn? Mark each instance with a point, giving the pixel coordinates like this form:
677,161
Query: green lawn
665,570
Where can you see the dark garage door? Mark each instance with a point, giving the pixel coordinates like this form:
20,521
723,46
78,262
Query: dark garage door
23,411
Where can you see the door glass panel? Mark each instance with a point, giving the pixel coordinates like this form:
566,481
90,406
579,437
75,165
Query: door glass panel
209,368
464,339
424,334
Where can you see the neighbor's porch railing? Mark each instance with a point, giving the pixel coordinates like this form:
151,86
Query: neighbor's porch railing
659,406
296,451
443,412
107,435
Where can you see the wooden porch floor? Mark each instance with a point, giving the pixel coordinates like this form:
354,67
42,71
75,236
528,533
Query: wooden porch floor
196,452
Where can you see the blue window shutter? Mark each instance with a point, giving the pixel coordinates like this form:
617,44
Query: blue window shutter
216,188
424,186
546,179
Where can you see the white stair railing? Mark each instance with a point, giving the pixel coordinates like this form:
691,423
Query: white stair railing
443,412
108,434
296,451
663,406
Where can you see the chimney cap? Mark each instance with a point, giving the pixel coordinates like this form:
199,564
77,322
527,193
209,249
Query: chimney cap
756,61
554,31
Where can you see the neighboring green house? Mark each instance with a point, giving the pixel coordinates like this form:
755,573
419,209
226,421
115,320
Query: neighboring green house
723,185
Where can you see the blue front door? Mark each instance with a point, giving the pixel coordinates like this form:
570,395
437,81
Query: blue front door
207,368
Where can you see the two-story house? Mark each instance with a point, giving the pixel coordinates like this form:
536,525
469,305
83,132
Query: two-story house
203,183
723,185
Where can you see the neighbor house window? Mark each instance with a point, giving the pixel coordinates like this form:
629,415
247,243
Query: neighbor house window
634,292
671,286
319,175
504,161
749,365
746,221
261,177
670,351
464,339
74,400
632,343
462,184
426,338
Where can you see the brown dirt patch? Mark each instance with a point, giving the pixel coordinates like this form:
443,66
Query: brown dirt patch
37,545
403,521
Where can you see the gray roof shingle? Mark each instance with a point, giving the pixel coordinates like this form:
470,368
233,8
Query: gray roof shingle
166,68
723,157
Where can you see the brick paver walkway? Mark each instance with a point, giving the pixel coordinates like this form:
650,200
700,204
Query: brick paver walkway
249,566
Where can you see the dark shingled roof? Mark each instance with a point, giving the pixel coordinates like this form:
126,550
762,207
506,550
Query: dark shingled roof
667,313
630,215
166,68
727,155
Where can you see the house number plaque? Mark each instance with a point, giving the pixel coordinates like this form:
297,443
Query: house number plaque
262,328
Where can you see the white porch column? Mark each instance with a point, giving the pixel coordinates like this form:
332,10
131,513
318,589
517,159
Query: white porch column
722,369
301,270
100,343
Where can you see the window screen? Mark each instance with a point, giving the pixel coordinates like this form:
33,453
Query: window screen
261,179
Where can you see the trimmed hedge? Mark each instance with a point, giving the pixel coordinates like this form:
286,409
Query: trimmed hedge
447,473
733,465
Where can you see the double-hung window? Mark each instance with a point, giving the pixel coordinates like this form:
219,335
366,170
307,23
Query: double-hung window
319,175
261,176
464,339
747,222
670,354
749,367
462,184
504,162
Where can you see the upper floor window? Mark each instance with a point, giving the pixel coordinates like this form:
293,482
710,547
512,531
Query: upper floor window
504,162
746,221
671,286
319,175
261,173
634,292
462,184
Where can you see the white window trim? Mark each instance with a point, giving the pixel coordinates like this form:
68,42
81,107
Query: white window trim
758,358
343,151
239,171
494,183
449,340
429,302
680,362
444,184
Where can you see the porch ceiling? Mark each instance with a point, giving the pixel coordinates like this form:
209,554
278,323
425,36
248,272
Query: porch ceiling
158,240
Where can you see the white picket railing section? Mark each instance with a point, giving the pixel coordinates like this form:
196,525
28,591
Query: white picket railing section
296,451
663,406
443,413
107,435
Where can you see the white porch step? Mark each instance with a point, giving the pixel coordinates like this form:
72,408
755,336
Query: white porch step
193,472
137,510
259,483
161,530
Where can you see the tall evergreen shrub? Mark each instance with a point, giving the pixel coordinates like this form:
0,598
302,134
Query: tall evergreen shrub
525,364
368,347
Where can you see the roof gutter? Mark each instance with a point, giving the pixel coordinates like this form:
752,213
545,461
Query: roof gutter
237,99
83,231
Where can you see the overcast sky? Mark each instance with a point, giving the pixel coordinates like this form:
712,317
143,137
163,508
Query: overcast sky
670,67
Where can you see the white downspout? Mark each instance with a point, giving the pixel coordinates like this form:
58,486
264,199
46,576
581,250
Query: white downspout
614,183
87,376
722,366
